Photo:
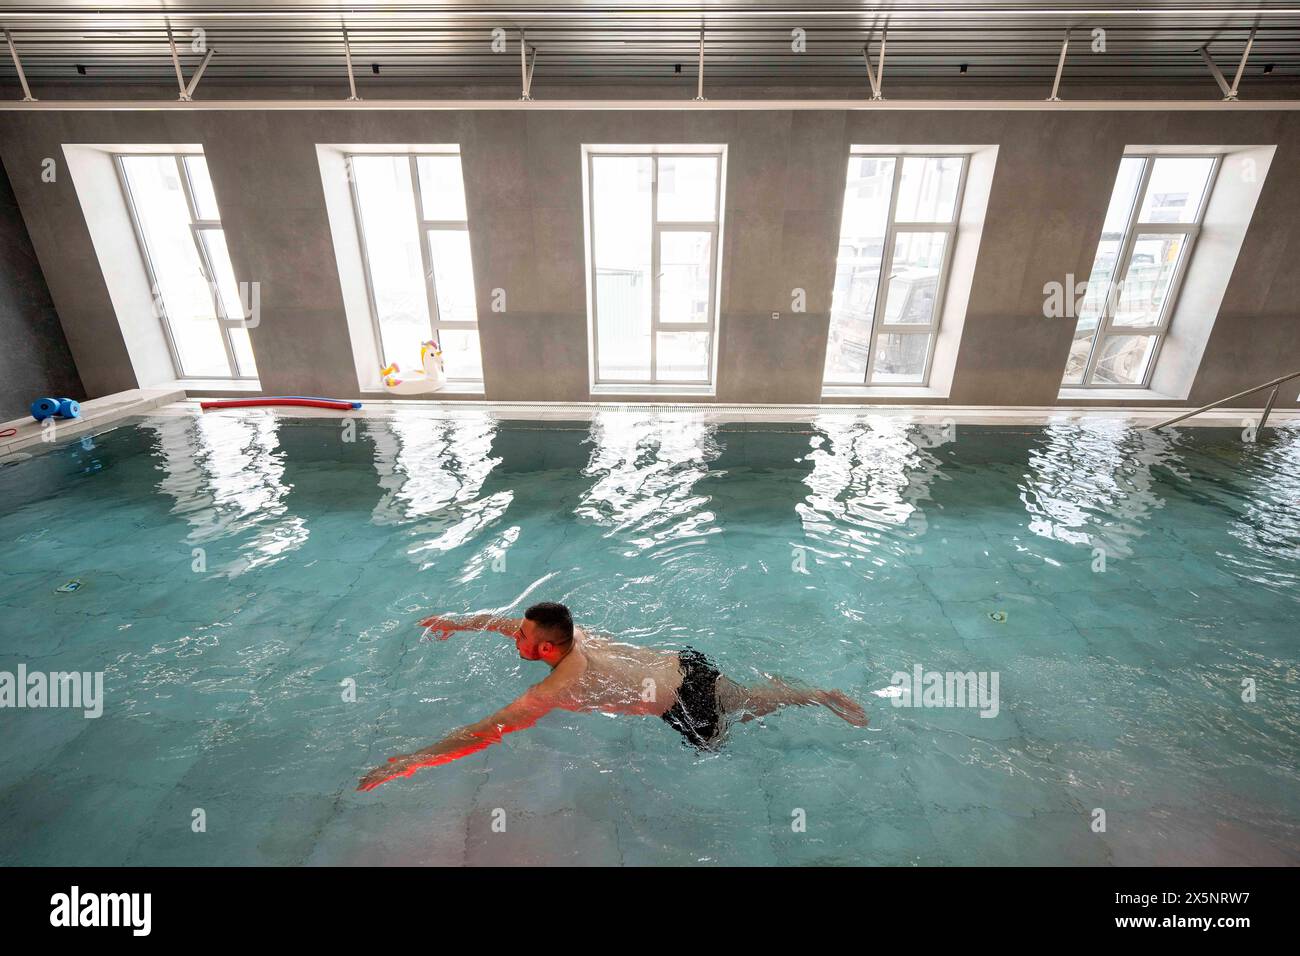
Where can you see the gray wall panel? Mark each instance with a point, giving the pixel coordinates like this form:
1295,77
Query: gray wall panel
782,208
34,356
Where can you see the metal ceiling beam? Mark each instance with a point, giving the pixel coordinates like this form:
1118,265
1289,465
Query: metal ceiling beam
1241,67
1060,68
176,63
352,79
198,74
1215,71
1117,106
18,65
876,79
599,40
699,88
1229,92
680,11
525,70
187,89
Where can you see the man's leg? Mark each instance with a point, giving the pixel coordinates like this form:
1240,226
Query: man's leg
748,702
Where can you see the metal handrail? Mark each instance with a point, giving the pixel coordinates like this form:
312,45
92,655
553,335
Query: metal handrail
1275,384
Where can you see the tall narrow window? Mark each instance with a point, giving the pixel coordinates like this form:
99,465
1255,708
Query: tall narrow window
1154,216
178,225
654,264
415,244
896,237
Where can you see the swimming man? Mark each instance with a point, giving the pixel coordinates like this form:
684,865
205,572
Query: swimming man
590,673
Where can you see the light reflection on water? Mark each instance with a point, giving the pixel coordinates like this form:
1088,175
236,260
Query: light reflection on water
425,464
1092,484
644,475
870,485
226,475
836,552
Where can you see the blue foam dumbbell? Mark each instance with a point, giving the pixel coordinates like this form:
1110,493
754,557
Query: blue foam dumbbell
44,408
69,408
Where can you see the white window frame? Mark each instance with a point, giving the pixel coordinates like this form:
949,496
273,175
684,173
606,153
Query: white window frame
197,226
714,228
425,226
892,228
1132,229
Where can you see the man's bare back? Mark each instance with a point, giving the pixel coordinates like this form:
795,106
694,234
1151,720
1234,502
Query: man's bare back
604,675
596,673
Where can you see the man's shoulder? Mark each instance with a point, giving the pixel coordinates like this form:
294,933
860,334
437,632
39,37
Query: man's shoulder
565,672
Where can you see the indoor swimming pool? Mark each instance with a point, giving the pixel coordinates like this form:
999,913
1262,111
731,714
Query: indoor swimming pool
237,575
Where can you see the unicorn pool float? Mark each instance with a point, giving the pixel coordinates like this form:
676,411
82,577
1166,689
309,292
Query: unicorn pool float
431,379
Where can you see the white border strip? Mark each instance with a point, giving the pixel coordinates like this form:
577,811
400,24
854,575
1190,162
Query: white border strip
1067,106
557,412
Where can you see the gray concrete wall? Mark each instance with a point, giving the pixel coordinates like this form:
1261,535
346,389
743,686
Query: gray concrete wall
784,190
34,356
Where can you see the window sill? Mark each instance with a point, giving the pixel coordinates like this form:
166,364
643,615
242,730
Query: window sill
653,391
242,386
883,391
451,388
1081,394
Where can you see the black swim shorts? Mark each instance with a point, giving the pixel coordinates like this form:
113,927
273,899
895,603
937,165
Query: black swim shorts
696,715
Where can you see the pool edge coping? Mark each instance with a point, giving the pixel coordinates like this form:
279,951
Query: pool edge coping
113,410
715,413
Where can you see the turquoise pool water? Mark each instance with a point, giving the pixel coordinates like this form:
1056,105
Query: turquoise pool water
839,553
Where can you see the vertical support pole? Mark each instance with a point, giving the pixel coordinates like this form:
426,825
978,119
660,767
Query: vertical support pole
1060,68
871,74
18,65
198,74
880,66
525,73
699,86
1217,74
176,63
523,65
1241,67
876,77
1268,408
352,80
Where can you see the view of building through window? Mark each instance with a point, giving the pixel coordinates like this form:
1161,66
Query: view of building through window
415,243
654,255
202,307
1151,225
896,237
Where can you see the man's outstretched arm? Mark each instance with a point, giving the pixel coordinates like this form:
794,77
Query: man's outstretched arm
517,715
446,626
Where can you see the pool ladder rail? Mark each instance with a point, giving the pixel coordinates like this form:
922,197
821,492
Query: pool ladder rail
1275,384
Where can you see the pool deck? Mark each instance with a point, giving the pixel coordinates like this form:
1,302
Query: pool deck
99,413
96,414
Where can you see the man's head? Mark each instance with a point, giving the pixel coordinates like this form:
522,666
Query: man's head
546,634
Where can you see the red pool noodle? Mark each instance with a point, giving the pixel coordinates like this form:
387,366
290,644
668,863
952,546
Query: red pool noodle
256,402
